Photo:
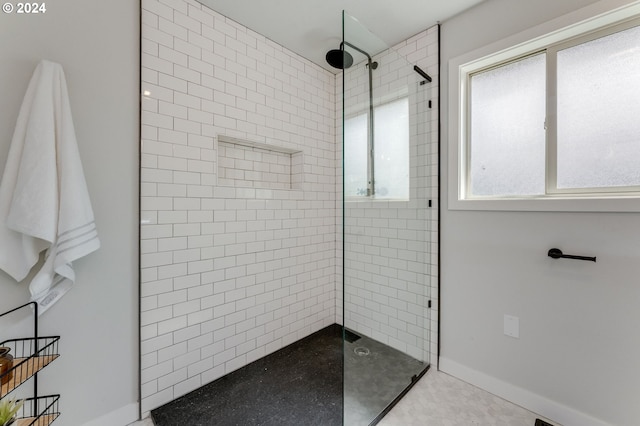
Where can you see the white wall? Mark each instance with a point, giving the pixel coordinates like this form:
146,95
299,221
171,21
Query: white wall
97,44
577,356
233,267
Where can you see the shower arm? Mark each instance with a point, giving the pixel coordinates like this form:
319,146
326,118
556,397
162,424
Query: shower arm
371,188
342,44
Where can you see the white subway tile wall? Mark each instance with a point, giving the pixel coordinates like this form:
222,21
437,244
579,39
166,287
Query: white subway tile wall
234,268
255,167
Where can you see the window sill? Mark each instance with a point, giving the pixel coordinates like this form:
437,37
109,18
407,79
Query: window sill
550,204
375,200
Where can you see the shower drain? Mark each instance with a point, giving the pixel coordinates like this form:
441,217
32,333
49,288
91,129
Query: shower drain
361,351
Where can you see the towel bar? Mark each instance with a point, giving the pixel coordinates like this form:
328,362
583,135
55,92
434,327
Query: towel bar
556,253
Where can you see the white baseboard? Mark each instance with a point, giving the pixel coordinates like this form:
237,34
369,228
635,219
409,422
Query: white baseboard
533,402
120,417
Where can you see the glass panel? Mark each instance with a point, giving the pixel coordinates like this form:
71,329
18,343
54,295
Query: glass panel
386,257
598,110
391,147
507,146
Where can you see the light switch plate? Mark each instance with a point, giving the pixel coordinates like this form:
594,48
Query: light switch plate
512,326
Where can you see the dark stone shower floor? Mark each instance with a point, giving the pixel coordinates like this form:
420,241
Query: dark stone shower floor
301,385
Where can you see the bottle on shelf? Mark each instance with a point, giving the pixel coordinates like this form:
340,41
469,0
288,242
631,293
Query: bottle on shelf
6,362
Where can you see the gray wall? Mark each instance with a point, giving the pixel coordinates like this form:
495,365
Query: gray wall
97,44
578,350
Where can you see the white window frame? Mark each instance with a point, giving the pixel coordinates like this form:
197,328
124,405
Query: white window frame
585,24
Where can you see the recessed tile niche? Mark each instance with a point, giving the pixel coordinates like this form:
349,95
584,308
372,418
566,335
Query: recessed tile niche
248,164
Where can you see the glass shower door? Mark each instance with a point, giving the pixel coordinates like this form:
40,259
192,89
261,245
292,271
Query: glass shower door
385,216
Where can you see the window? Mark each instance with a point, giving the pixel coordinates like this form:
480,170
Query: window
507,136
598,114
555,122
390,161
356,156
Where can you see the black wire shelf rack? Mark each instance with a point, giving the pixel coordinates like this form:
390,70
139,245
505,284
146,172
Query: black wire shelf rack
30,356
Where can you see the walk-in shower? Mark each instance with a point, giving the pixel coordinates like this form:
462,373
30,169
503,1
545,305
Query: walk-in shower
287,231
385,222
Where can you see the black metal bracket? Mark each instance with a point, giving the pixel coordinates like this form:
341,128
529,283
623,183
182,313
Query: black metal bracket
556,253
422,73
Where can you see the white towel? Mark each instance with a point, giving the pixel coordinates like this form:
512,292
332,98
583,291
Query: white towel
44,202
